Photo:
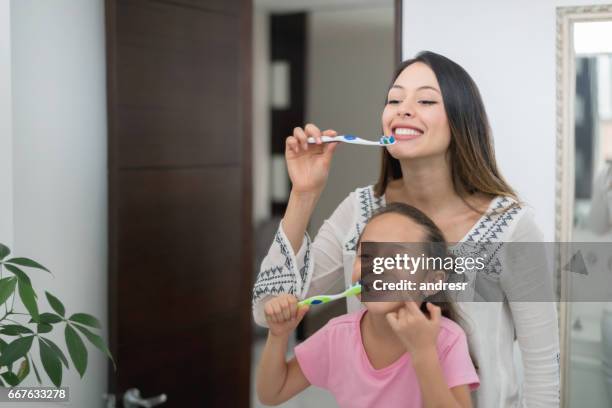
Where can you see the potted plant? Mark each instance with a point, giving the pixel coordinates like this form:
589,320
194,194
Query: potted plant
19,329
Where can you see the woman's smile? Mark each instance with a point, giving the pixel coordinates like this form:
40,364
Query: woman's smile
402,133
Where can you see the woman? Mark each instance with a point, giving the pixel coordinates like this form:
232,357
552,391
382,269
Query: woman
443,163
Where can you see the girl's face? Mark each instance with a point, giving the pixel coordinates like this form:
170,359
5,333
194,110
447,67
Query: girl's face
415,115
389,227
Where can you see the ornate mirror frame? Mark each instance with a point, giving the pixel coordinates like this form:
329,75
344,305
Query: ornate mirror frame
564,214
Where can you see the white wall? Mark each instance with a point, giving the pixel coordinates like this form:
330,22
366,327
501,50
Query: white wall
6,127
509,49
350,64
59,162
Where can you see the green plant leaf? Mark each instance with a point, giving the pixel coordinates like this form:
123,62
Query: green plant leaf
50,318
24,369
51,362
27,262
43,328
4,251
7,287
26,293
21,275
56,304
10,378
96,341
2,345
15,350
14,330
28,298
56,350
36,372
86,320
2,383
76,349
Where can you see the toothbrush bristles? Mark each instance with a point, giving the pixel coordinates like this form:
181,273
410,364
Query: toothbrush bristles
385,140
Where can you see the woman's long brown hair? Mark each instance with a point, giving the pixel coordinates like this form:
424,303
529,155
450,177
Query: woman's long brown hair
472,157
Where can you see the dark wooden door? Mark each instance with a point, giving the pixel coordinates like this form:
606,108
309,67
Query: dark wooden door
180,199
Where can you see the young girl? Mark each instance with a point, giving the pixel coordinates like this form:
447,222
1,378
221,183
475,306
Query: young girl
388,354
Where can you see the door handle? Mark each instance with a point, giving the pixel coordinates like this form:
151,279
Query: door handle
132,399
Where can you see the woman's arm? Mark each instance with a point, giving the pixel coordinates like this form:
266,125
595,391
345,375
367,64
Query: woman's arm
537,334
288,267
297,215
308,168
527,282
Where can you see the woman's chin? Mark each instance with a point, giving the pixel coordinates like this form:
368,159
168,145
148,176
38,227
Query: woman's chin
400,152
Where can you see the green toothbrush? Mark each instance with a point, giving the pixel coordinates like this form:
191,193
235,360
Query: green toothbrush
316,300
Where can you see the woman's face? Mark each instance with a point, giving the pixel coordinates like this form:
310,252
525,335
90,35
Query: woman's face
415,115
390,228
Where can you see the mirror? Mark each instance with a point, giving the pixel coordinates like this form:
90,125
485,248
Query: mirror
584,196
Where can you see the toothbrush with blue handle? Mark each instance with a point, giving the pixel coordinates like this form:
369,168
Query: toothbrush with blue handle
319,299
352,139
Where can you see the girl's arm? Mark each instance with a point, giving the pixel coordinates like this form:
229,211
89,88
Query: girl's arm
277,379
419,334
434,389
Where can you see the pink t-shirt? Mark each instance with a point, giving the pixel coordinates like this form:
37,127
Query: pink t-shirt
334,358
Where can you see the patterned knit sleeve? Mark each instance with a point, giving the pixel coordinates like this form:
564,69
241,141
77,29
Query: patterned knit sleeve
315,268
527,282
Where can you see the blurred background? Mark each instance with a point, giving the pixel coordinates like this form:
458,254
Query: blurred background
141,160
327,63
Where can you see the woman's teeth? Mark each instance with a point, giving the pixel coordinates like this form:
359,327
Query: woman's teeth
405,131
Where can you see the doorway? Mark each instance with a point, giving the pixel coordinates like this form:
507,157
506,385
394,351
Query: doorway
327,63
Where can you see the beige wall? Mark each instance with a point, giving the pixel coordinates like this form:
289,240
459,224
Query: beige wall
350,63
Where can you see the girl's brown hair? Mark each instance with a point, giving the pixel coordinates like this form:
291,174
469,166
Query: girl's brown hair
472,157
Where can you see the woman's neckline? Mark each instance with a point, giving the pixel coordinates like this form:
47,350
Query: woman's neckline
472,228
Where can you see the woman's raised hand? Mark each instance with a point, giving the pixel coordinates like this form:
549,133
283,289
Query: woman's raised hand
308,164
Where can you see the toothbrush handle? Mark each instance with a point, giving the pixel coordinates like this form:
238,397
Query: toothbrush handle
322,298
326,139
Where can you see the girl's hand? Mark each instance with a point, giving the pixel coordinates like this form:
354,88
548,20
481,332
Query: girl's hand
308,164
415,330
283,314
